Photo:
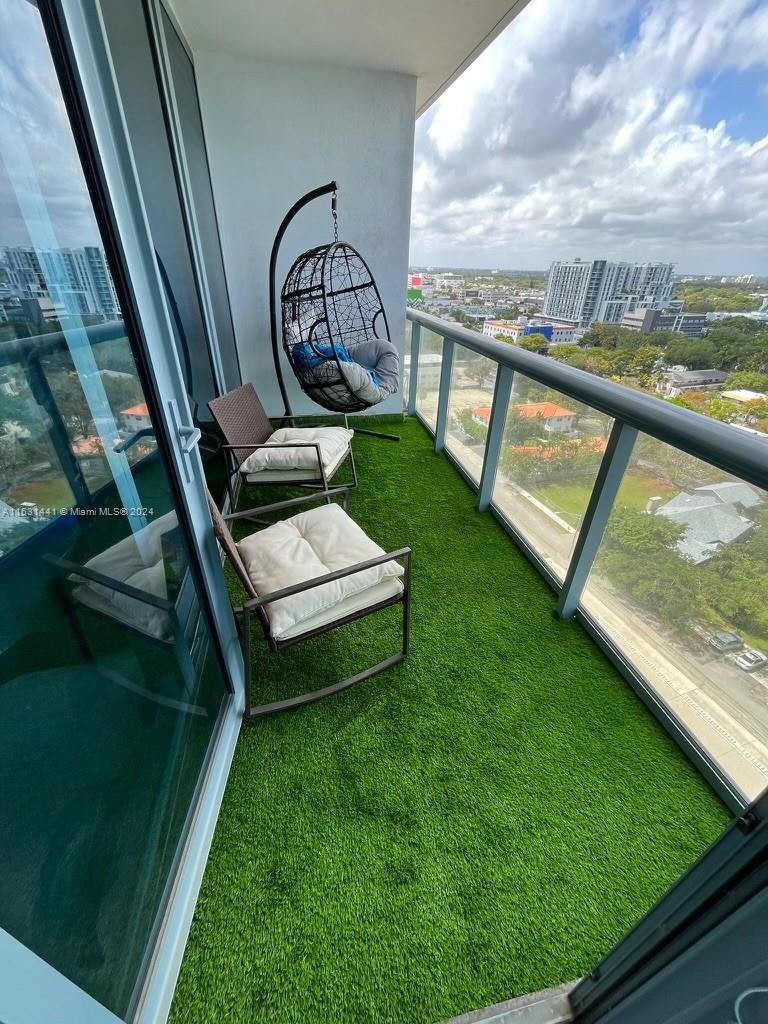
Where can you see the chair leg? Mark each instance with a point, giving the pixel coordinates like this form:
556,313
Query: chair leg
376,433
246,645
407,615
354,467
260,710
308,698
70,613
228,479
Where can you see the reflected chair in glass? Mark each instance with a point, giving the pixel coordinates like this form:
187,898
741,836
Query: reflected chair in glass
140,585
355,579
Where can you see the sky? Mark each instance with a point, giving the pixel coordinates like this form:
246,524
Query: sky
608,129
32,115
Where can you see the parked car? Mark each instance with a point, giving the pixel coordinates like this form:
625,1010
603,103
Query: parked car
752,660
726,641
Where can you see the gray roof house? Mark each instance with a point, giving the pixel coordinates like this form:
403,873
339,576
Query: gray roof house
733,492
676,382
712,517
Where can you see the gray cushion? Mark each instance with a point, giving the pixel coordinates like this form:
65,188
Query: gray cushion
360,383
380,355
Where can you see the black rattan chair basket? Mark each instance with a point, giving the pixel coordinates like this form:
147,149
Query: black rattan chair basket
330,304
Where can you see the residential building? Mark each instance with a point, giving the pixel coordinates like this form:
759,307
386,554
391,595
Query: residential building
647,320
76,281
556,333
554,418
678,380
587,290
39,311
712,517
136,417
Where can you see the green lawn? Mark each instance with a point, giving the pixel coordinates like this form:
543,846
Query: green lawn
570,499
54,493
485,820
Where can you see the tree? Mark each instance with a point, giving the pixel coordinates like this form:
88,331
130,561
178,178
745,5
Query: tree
644,360
533,342
705,298
695,355
639,557
747,380
672,464
475,431
737,580
480,370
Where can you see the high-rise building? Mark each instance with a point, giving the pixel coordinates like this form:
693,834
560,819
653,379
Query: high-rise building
76,281
583,291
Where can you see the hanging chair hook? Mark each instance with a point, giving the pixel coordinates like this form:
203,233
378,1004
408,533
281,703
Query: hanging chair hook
323,190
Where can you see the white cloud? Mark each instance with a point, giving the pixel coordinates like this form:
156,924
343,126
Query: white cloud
579,132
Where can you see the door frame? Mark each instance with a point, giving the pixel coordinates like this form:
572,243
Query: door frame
80,50
723,880
154,10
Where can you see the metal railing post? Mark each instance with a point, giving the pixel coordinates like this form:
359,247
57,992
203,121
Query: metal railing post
612,469
413,373
496,424
446,370
57,431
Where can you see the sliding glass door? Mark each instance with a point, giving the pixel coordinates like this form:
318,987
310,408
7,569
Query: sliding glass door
112,688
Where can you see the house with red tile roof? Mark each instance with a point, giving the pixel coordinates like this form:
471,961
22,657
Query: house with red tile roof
556,419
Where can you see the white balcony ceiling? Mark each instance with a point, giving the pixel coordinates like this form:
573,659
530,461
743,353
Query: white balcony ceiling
435,40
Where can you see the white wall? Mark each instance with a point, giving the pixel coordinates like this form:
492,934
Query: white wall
275,131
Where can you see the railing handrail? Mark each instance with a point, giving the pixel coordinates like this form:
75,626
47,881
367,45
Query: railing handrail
18,350
733,450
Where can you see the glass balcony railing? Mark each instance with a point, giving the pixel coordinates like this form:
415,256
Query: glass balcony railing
469,405
426,378
651,526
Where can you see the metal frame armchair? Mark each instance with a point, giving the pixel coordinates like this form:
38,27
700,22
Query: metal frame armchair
256,606
246,427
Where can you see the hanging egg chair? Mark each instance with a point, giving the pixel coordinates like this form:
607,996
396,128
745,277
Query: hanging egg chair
334,329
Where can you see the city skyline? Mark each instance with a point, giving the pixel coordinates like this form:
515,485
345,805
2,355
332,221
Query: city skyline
76,280
736,276
619,131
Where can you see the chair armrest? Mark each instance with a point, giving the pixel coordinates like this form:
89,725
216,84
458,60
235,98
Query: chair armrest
338,574
288,503
272,444
122,446
286,444
108,581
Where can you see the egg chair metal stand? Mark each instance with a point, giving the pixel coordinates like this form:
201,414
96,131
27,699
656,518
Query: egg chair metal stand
329,307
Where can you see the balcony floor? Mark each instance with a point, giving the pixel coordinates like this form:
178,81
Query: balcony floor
485,820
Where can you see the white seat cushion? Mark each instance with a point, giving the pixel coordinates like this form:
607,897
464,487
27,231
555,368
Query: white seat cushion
138,561
306,546
284,476
384,591
131,610
334,444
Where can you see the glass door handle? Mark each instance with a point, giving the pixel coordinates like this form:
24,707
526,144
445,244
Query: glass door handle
190,436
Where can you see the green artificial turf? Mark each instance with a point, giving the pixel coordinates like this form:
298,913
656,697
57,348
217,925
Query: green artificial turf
485,820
